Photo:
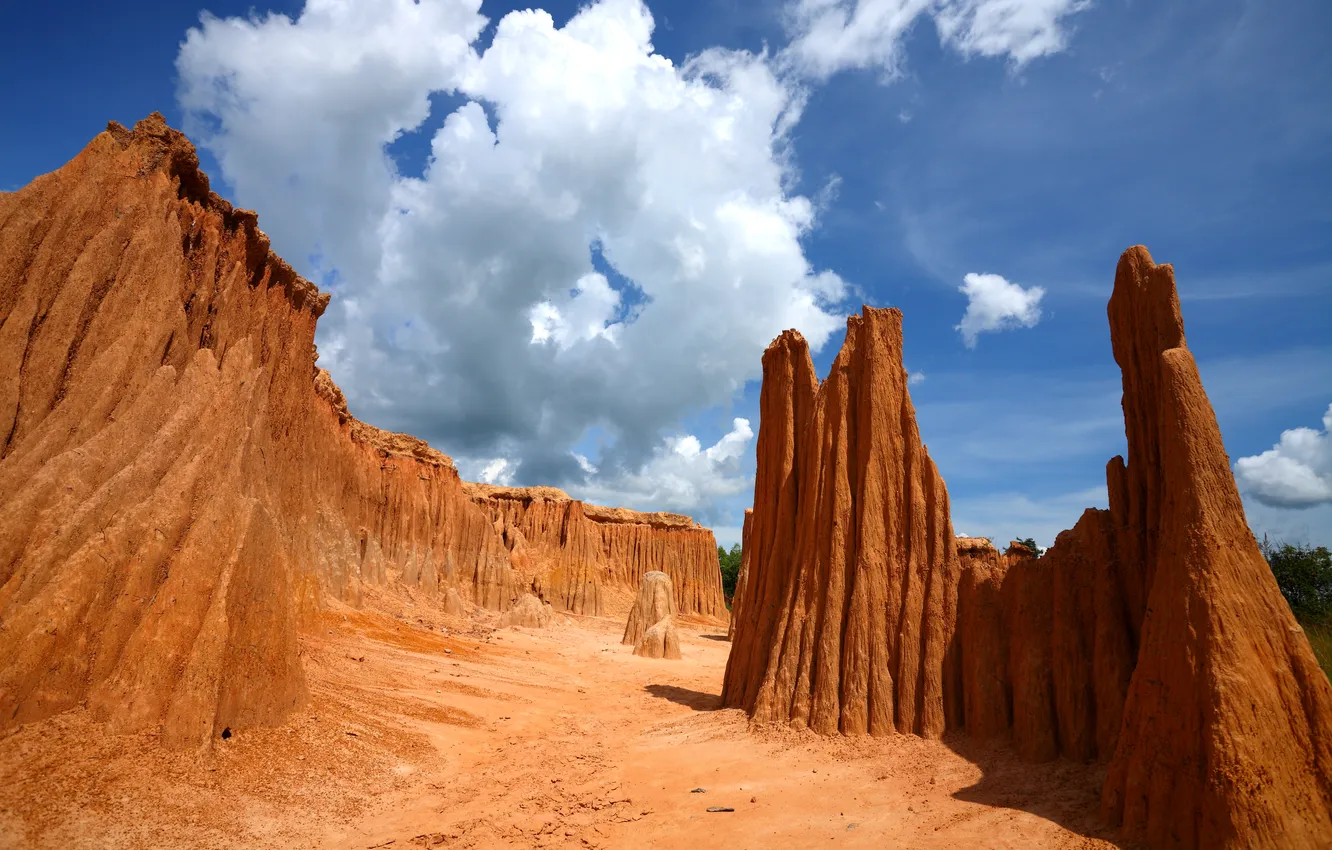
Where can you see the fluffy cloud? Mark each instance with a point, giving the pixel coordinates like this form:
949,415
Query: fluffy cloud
601,242
994,304
1295,473
497,471
600,239
833,35
1022,30
681,476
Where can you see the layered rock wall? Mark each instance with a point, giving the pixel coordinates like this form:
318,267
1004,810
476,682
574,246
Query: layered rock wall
576,552
181,484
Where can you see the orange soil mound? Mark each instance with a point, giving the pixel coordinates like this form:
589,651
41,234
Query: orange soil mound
182,484
1152,635
574,550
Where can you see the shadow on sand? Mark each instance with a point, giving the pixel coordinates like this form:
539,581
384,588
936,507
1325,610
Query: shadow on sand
697,700
1059,791
721,638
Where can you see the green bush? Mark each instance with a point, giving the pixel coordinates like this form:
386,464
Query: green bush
1304,574
730,570
1030,543
1320,638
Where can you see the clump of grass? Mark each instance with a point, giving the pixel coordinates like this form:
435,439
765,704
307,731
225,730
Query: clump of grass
1304,574
1320,637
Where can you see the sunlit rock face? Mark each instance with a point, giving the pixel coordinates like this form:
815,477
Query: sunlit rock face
1151,636
848,607
182,486
580,557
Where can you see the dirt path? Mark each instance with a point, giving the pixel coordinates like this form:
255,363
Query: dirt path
518,738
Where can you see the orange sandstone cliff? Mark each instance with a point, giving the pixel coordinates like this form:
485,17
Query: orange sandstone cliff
847,612
1226,734
1152,636
578,554
180,483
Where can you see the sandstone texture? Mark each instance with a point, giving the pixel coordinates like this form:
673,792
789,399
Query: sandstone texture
182,485
453,604
660,641
530,612
1151,637
573,553
848,609
655,602
1226,734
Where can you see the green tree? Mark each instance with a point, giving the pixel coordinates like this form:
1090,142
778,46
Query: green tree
1304,574
730,570
1030,543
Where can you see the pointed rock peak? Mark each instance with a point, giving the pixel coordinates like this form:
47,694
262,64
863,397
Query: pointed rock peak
841,620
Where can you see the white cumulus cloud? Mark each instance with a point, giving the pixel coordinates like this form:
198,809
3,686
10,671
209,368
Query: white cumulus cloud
1295,473
995,304
600,239
497,471
833,35
681,475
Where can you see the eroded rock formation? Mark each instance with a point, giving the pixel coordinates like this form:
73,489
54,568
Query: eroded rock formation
1226,733
453,604
575,552
660,641
181,483
654,602
1151,636
848,608
529,612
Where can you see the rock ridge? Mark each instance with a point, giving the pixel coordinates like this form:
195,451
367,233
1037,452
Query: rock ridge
184,488
588,559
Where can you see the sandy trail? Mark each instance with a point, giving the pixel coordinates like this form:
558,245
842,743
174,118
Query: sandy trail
518,738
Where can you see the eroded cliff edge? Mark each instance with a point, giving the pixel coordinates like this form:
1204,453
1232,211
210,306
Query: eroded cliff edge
1152,636
181,484
578,555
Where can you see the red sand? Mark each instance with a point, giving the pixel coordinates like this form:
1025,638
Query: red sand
518,738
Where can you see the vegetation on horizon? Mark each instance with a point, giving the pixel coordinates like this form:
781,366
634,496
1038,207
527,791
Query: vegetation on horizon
730,570
1304,574
1030,543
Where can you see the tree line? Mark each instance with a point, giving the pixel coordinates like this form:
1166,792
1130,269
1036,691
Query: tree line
730,570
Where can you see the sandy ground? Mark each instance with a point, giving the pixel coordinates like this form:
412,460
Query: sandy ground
468,737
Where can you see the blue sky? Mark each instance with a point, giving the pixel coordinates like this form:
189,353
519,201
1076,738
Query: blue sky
1200,129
